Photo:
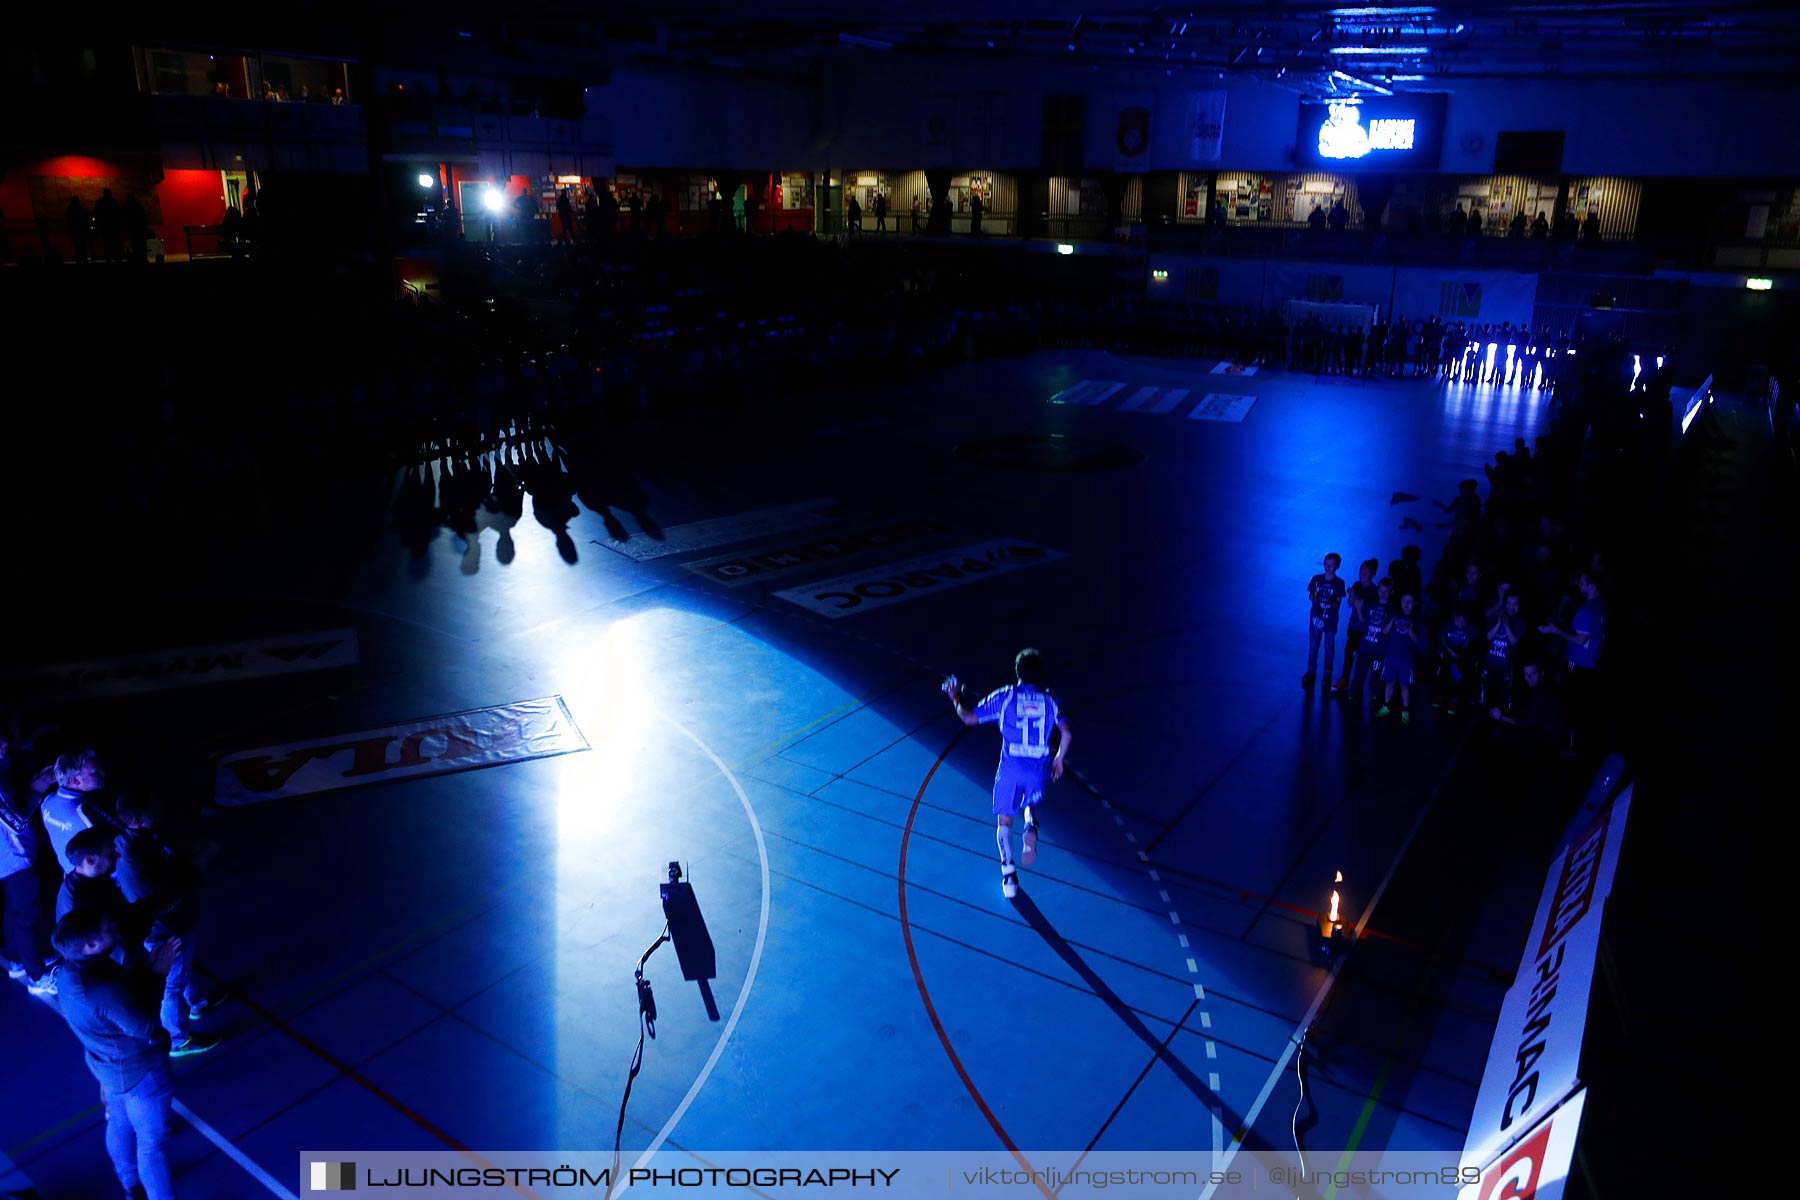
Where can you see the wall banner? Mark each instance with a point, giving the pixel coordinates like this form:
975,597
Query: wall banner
1205,126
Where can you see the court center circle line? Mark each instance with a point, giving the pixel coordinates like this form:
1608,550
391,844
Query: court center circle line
762,934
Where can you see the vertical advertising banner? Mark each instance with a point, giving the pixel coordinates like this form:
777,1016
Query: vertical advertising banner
1131,132
937,129
1205,125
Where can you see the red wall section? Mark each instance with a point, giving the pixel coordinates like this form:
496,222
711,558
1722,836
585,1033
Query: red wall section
189,198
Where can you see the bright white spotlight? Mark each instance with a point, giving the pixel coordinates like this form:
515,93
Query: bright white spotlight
426,179
1064,248
492,200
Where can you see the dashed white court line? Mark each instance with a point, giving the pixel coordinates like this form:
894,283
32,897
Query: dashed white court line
1193,967
233,1153
762,935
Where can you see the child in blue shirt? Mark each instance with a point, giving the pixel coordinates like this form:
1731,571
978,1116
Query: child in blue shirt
1361,594
1399,640
1324,594
1455,663
1370,651
1500,662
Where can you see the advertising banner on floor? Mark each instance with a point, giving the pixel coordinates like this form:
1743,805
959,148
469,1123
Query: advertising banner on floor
1538,1167
895,583
1205,126
1488,297
791,557
482,737
1535,1060
724,531
189,666
1329,283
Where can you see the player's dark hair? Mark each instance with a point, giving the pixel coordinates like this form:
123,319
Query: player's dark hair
1335,559
76,930
1385,582
1374,564
89,843
1029,666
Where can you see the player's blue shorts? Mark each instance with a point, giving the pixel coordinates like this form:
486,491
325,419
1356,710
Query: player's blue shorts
1019,782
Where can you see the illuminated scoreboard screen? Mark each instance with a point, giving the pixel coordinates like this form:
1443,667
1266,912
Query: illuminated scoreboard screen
1379,133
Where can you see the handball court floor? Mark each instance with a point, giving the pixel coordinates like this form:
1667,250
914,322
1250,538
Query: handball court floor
447,961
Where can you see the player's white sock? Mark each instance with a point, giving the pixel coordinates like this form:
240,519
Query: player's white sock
1003,838
1029,819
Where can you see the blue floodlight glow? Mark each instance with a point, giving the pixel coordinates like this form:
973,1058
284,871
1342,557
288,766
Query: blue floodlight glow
1379,50
1420,11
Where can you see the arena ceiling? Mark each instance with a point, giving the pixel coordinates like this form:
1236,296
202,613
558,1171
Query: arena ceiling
1402,47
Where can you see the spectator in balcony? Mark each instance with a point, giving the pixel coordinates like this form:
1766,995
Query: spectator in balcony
565,216
880,212
1540,228
1475,222
1516,231
269,93
219,89
1590,228
915,213
853,217
281,94
1459,221
634,210
107,226
741,208
1315,220
337,95
525,208
1564,229
231,230
976,208
590,217
1338,217
81,229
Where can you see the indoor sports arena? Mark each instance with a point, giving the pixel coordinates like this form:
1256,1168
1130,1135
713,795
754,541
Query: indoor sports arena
980,599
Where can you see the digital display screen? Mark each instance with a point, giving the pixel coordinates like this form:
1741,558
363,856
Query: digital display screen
1375,132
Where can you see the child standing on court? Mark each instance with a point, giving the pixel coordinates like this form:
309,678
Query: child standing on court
1325,593
1399,640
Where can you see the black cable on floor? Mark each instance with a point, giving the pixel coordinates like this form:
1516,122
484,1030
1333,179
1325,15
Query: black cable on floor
646,1028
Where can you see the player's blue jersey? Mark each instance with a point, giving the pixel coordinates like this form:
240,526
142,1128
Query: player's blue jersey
1026,715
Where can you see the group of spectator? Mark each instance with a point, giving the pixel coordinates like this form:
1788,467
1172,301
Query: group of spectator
278,93
100,919
1512,624
104,231
1501,354
853,215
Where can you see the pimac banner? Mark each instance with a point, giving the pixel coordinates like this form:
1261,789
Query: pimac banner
1534,1063
465,741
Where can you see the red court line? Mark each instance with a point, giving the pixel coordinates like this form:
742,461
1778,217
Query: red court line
374,1089
918,975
